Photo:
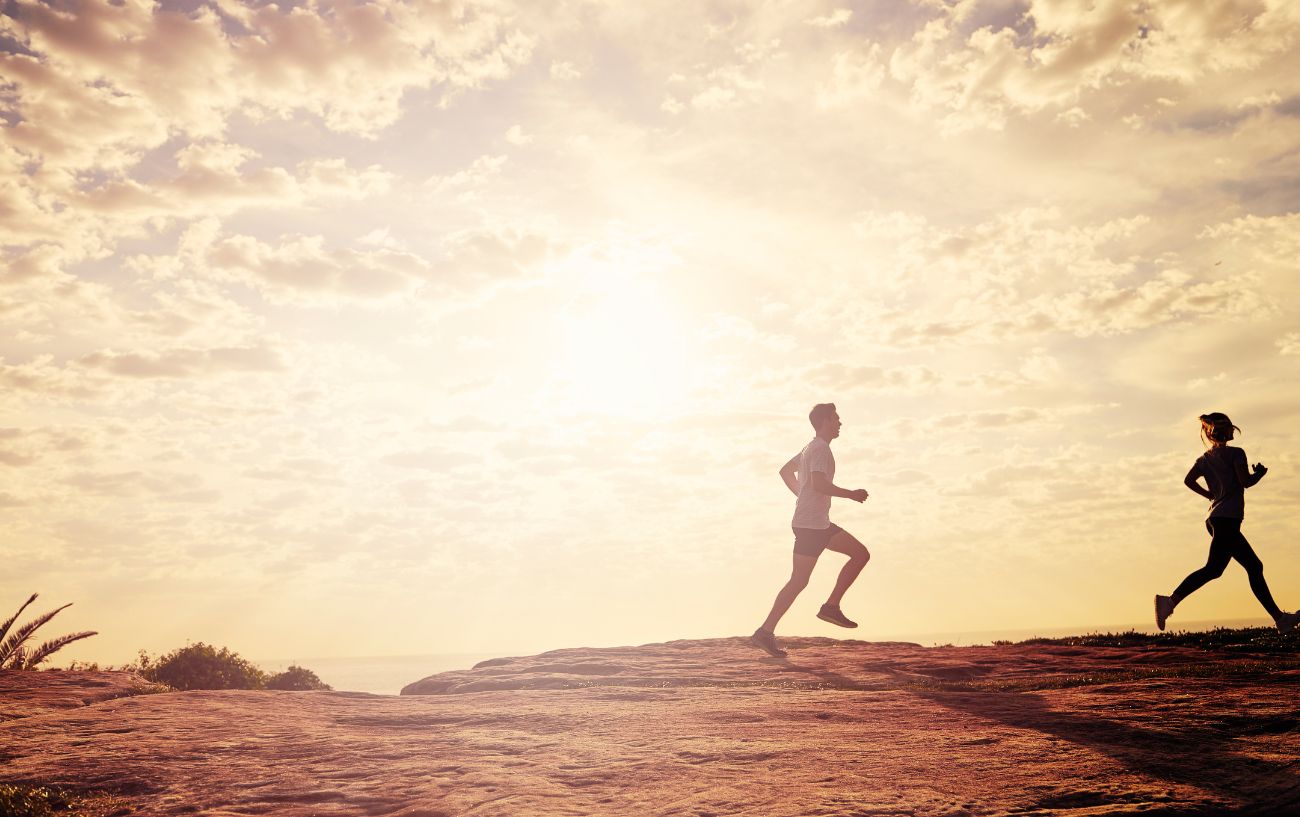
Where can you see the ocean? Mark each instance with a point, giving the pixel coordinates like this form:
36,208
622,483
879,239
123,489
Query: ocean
380,675
386,675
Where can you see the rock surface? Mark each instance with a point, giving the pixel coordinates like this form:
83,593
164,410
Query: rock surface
21,697
703,728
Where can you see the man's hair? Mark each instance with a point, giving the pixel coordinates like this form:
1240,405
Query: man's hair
820,413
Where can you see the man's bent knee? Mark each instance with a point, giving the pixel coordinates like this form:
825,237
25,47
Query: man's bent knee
844,542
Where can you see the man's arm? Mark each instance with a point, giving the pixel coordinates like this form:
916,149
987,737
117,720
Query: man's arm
1190,481
788,474
823,485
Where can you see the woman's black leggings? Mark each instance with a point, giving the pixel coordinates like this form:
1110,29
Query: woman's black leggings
1226,544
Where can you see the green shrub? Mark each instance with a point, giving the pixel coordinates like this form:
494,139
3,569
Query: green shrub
296,679
201,666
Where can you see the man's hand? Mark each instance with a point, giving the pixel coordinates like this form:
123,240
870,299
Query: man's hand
1260,470
859,495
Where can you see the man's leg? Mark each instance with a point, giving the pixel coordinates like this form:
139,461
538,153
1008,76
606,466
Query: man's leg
843,542
799,574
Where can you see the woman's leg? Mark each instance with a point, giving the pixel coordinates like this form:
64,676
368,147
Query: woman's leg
1221,549
1245,554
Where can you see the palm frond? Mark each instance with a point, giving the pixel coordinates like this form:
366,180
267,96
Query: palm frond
15,660
4,628
19,637
39,654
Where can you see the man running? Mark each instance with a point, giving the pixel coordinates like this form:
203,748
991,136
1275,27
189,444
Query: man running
808,475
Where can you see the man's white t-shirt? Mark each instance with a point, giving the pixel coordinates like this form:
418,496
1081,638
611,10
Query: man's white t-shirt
813,509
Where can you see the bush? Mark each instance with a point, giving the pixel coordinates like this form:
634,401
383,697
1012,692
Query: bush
296,679
200,666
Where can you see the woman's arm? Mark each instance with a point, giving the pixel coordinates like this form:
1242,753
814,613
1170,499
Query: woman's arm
1190,481
1243,472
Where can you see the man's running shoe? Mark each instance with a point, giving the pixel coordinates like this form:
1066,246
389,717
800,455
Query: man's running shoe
834,616
766,642
1164,606
1287,621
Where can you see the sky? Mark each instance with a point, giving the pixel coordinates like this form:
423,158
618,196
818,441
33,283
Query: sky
335,328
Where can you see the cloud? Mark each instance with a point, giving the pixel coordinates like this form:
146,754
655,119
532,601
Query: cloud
431,458
835,19
302,268
187,71
186,363
45,445
299,471
981,73
733,83
908,379
45,378
516,136
167,487
91,121
1024,421
855,75
211,180
1102,310
481,255
564,71
464,183
1025,273
12,458
1170,297
63,229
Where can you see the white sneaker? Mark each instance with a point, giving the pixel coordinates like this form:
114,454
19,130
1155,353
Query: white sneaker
1287,621
1164,606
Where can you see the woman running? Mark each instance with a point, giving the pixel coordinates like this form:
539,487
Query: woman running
1227,476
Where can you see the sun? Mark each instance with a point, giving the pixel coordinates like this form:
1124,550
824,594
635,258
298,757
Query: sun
622,352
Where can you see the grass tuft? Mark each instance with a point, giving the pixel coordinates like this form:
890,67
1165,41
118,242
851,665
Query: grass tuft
32,800
1247,639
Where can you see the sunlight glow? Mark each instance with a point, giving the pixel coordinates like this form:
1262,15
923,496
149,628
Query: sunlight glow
622,353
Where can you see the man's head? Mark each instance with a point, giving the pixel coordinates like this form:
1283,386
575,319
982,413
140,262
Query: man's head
825,420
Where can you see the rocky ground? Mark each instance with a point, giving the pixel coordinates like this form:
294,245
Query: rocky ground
696,728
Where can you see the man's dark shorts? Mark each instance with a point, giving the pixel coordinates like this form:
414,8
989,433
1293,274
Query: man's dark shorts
812,541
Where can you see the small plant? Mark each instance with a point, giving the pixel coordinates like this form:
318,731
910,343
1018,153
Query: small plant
14,654
31,800
296,679
36,801
201,666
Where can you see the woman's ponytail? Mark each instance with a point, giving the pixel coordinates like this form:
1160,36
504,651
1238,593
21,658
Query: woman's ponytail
1217,428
